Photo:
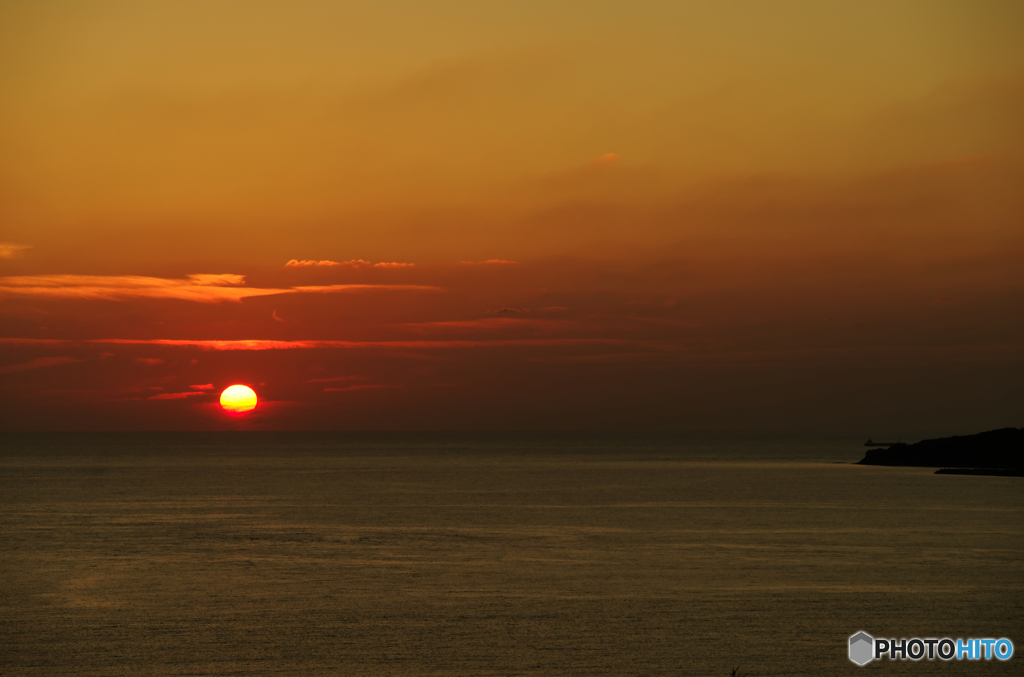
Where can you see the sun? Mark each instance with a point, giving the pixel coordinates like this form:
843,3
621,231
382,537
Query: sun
238,399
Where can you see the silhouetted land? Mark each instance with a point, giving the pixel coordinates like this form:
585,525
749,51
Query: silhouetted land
993,452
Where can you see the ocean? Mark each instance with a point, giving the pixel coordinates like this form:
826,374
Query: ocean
485,554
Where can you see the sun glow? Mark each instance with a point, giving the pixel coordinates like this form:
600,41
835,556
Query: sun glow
238,399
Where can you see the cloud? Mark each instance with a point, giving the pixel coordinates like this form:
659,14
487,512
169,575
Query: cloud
205,386
9,250
334,379
149,361
217,280
504,323
202,288
264,344
355,387
490,262
354,263
174,396
274,315
965,116
35,341
294,263
38,363
604,160
508,311
361,287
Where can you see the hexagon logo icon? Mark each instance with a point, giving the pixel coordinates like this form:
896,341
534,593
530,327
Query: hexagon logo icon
862,648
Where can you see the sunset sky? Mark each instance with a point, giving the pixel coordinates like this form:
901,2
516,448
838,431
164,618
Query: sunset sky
403,215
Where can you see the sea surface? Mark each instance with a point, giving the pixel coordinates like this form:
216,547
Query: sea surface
441,554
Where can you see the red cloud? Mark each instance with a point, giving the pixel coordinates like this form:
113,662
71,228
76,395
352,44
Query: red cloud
362,287
216,279
354,263
502,322
489,262
604,160
356,387
264,344
205,386
334,379
203,288
9,250
294,263
174,396
38,363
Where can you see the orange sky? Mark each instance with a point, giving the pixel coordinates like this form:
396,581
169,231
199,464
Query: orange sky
530,215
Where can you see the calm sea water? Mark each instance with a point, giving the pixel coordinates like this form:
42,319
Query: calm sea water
320,554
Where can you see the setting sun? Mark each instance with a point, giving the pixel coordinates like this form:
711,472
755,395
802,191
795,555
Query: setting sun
238,399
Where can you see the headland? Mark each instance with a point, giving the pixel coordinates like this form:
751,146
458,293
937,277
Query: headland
996,452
